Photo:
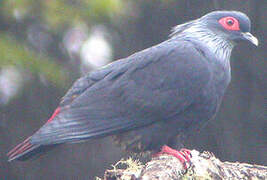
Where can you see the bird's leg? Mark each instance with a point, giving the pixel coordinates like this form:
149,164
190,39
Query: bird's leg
183,155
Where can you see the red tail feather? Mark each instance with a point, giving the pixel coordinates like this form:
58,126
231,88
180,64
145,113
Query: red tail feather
20,150
26,148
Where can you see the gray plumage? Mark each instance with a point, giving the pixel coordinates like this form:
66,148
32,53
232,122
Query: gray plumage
149,98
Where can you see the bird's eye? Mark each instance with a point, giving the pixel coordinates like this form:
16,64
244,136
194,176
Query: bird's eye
229,23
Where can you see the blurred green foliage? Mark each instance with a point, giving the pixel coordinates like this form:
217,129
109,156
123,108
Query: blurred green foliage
56,15
14,53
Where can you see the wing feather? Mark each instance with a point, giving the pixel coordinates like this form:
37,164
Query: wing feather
153,85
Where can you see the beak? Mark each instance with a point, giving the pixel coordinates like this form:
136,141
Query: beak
248,36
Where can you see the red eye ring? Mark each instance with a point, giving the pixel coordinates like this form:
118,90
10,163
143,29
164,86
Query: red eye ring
230,23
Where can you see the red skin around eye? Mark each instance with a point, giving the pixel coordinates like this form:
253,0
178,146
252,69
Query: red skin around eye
233,27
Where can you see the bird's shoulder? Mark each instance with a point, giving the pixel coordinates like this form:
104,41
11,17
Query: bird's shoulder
175,62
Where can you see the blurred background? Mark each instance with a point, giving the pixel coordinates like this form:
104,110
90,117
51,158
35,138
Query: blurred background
46,44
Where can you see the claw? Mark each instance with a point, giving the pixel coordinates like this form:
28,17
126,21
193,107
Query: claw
187,154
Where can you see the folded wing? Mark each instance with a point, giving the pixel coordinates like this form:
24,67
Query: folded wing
149,86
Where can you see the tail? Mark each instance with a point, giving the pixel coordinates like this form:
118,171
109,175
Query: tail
26,150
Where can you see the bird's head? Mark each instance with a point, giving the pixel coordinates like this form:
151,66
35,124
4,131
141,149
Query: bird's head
232,26
218,30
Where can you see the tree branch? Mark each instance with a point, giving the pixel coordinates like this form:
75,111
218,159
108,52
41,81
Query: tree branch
204,166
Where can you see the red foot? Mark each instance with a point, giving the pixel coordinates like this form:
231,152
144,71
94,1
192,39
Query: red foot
183,155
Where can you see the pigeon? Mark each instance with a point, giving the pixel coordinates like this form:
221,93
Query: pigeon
154,98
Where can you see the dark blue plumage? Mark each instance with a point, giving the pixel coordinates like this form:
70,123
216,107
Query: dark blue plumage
149,98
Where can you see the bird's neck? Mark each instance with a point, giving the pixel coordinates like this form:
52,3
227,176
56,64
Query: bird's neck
213,43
